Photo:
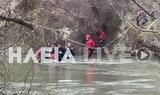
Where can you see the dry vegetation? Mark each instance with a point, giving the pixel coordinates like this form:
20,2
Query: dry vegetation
33,23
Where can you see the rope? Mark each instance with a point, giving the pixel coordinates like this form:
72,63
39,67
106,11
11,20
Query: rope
124,34
69,38
40,26
111,42
76,42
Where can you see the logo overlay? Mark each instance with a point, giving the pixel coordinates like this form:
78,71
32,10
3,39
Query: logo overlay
56,55
143,54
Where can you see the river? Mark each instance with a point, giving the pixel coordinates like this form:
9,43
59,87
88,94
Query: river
93,79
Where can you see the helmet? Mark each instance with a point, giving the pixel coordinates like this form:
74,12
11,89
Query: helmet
88,36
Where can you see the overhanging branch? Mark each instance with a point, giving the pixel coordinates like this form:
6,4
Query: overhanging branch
18,21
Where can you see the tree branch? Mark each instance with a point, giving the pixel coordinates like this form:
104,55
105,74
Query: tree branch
18,21
144,30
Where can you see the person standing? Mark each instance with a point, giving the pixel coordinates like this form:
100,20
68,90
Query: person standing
69,45
90,44
61,52
102,37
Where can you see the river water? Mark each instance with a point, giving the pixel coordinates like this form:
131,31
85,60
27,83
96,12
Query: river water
93,79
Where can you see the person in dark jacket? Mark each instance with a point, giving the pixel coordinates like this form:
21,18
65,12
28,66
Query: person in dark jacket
141,19
61,52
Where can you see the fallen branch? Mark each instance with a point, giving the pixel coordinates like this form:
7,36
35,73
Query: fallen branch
144,30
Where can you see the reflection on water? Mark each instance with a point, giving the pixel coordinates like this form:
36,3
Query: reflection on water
113,79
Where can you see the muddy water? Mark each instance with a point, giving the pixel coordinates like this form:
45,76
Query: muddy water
113,79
